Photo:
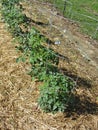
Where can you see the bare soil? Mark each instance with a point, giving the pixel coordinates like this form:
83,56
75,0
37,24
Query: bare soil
18,94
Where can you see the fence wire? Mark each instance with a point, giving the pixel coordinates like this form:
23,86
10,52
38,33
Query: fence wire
88,23
54,20
48,17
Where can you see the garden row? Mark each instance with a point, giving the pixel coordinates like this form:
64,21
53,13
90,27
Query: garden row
56,89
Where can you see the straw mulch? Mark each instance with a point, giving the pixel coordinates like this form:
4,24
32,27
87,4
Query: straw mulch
18,97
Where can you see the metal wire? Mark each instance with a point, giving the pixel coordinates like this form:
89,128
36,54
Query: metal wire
60,29
71,13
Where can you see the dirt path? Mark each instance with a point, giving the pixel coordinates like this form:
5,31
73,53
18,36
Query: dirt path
18,95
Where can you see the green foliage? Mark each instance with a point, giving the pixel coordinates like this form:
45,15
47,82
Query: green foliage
21,58
9,3
54,94
43,60
56,89
13,16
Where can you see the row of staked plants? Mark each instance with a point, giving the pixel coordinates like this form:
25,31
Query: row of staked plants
57,88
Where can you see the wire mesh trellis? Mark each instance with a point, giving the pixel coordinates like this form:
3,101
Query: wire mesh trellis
49,19
88,22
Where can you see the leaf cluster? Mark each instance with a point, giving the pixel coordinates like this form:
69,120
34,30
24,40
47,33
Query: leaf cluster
55,93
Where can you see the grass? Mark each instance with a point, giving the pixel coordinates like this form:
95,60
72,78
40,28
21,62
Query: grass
85,13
